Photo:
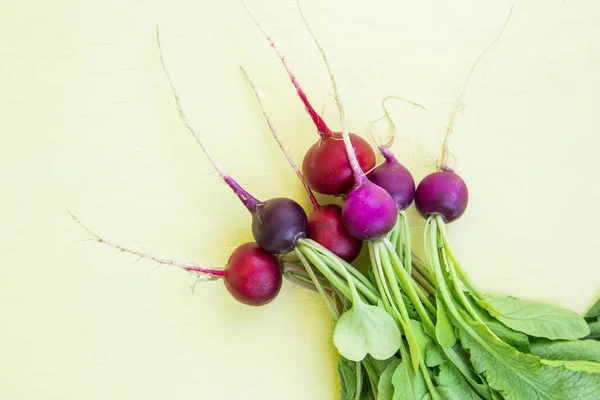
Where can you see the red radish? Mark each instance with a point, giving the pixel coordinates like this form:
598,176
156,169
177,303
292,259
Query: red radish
326,227
369,212
278,223
252,275
325,224
325,165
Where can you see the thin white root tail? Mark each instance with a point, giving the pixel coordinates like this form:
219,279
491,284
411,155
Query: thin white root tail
204,273
445,150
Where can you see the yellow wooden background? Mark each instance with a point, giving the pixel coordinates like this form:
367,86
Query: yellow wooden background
87,124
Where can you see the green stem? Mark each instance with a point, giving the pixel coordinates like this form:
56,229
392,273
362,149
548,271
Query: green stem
382,290
406,237
425,300
409,289
422,281
318,285
422,269
447,296
356,273
461,272
358,379
324,269
379,273
428,382
369,292
393,281
454,279
396,236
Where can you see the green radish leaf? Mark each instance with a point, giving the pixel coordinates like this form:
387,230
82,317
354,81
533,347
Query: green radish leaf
423,339
427,397
408,385
381,365
536,319
452,385
461,360
594,311
516,339
496,395
412,312
571,350
347,373
444,331
434,355
587,366
519,376
594,331
366,329
385,389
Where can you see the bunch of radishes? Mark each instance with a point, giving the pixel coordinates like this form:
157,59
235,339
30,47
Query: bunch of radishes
407,329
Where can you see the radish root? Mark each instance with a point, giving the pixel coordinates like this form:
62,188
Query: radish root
309,192
359,174
204,274
445,150
375,135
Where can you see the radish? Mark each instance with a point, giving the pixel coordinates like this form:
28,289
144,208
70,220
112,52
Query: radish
369,212
442,193
395,178
252,276
325,224
325,165
278,223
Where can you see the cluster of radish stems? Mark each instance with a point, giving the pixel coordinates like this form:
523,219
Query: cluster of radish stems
408,328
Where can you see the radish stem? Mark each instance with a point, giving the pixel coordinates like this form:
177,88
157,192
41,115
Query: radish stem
322,128
359,175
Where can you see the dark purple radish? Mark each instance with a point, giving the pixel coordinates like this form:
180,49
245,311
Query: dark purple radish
325,166
442,193
325,224
252,275
277,224
369,212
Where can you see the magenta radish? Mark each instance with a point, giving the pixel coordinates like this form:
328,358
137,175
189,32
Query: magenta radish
252,275
325,166
325,224
278,223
